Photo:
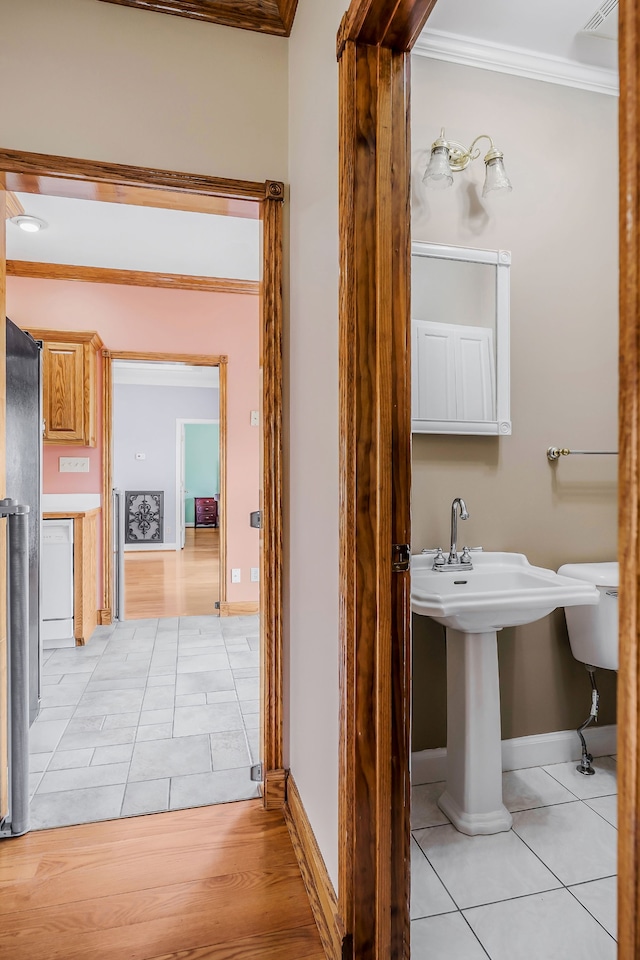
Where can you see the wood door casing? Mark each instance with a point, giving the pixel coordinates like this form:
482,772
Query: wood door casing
629,488
375,464
69,176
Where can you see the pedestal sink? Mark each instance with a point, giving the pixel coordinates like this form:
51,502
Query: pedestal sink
502,590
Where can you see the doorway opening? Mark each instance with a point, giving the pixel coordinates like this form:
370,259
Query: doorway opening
200,643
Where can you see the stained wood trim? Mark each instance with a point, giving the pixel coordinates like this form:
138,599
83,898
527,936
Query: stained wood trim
70,514
134,278
89,337
136,196
13,207
629,488
262,16
374,791
396,24
314,873
238,608
104,618
85,561
107,486
223,439
90,172
193,359
275,789
271,534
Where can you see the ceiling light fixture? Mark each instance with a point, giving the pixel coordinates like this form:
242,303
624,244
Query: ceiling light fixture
29,224
449,157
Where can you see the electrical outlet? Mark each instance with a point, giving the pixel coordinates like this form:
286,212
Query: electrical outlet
255,574
73,464
235,575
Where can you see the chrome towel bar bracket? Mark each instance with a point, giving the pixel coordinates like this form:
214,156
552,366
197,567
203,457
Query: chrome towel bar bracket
554,453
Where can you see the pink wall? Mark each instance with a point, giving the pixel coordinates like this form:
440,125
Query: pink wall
165,321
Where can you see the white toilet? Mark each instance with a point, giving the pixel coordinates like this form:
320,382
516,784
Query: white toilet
593,630
593,635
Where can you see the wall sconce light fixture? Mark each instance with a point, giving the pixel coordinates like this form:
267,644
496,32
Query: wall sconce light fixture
449,157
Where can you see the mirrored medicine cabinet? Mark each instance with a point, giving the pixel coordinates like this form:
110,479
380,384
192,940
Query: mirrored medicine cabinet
460,340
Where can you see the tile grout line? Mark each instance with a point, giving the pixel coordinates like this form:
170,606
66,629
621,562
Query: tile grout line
569,890
135,736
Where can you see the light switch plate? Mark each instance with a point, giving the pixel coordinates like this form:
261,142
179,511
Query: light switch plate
235,575
73,464
255,418
255,574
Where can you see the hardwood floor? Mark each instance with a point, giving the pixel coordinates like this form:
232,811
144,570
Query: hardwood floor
174,583
214,883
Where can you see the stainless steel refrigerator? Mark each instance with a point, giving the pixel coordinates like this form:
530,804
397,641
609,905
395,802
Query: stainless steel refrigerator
24,464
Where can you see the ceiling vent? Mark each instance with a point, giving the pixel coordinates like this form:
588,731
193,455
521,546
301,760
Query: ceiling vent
604,22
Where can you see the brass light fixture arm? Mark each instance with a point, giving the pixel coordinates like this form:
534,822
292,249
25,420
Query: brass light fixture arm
460,157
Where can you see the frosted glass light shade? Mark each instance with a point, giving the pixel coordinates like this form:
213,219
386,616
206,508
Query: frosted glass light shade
438,174
496,181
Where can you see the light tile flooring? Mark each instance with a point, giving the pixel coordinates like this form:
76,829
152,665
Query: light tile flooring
150,715
544,890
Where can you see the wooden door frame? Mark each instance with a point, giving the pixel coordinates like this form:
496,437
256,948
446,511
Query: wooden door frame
374,827
196,360
79,178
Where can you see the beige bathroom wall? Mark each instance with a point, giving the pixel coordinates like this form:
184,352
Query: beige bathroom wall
107,82
560,223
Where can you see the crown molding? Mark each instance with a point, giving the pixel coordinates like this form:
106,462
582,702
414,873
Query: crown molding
146,374
438,45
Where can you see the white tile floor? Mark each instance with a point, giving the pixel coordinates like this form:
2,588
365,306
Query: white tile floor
150,715
546,890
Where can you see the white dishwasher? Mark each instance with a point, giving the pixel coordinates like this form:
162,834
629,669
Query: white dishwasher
56,575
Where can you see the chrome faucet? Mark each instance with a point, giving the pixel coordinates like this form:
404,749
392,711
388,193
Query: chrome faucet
455,561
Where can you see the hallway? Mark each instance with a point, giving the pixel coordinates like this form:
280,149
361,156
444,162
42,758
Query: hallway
151,715
217,883
175,583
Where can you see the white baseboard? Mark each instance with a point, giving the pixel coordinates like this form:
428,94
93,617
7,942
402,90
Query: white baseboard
430,766
150,546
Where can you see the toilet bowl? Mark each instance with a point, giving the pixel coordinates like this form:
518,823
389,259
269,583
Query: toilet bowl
593,630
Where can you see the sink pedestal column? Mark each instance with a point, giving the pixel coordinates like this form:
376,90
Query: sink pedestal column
473,796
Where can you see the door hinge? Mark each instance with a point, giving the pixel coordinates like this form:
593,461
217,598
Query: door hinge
400,557
256,772
216,605
255,519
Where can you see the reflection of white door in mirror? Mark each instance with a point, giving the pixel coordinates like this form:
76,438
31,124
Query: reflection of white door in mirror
455,372
460,340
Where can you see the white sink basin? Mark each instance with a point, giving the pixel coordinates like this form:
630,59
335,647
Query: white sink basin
502,590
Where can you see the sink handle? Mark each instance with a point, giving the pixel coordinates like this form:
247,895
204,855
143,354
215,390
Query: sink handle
466,555
439,560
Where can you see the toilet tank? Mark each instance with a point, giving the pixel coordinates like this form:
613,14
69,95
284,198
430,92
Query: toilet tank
593,631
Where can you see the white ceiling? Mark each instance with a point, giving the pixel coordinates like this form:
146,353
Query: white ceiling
91,233
547,28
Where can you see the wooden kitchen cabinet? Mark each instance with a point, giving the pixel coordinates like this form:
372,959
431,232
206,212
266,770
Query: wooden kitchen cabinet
69,367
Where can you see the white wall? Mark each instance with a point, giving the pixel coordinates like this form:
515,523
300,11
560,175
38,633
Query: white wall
107,82
312,583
